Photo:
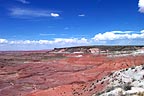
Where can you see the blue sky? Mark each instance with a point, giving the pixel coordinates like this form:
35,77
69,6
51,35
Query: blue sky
46,24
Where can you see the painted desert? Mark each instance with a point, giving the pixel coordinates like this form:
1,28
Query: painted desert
73,71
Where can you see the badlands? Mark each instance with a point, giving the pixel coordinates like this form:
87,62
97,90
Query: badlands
73,71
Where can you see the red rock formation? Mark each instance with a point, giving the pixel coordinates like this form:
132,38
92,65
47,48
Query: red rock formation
68,76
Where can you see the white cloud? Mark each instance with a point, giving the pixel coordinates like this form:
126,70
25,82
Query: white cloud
107,38
56,41
23,1
2,41
54,14
142,31
70,40
141,6
23,13
22,42
28,12
122,32
81,15
114,36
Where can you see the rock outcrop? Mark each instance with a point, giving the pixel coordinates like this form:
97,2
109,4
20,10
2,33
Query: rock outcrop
126,82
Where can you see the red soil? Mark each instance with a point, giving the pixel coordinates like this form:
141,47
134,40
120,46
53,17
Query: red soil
70,76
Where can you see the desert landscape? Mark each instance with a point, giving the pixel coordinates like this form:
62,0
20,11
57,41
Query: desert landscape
73,71
71,47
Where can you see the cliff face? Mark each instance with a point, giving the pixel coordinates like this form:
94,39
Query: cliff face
59,73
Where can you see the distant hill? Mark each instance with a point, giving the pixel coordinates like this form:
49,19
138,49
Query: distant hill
87,49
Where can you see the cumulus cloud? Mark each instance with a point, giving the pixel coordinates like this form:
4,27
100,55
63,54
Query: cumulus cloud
106,38
54,14
141,6
142,31
25,13
71,40
115,36
2,41
56,41
23,1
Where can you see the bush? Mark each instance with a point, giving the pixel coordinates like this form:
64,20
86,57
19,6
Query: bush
140,94
127,86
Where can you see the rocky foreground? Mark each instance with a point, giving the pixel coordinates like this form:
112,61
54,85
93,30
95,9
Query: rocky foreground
126,82
74,71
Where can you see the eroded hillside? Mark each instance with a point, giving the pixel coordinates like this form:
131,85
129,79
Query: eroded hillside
74,71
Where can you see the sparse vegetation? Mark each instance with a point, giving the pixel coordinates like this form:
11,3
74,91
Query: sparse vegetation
44,68
127,86
140,94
